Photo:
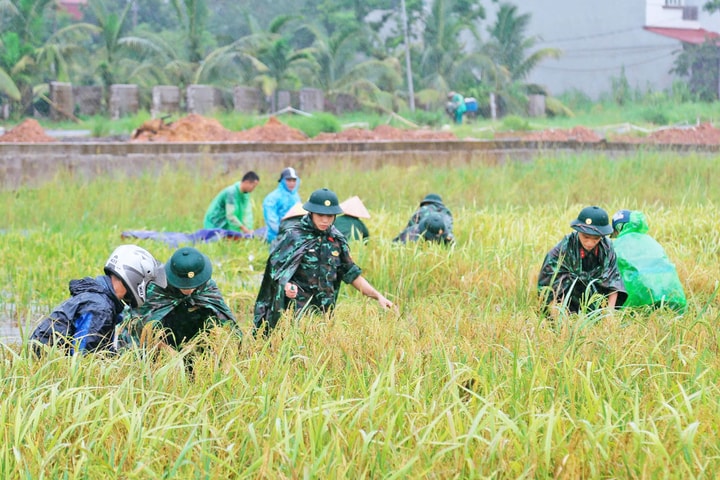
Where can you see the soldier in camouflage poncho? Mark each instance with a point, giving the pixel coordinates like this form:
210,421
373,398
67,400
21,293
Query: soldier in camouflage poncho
431,204
191,303
307,265
581,265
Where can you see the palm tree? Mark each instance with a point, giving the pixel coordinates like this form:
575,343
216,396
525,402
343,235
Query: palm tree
509,46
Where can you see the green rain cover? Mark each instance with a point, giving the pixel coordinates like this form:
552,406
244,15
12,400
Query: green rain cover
649,275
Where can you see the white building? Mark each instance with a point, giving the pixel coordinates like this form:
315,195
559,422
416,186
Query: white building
600,39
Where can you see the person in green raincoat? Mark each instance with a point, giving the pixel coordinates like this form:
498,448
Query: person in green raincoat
232,208
581,271
649,276
307,265
190,304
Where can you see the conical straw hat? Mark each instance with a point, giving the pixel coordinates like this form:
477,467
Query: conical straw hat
296,211
354,207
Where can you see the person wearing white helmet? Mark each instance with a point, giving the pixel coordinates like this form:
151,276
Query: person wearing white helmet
86,321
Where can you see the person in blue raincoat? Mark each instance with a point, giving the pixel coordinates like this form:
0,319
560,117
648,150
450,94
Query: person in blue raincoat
650,277
278,202
86,321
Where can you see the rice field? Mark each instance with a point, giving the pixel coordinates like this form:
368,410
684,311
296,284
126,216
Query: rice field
465,380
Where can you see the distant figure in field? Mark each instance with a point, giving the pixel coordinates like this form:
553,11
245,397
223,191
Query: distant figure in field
432,213
278,202
350,223
456,106
649,276
86,321
581,271
232,208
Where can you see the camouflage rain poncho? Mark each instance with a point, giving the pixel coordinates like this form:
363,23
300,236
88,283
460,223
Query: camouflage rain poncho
180,316
572,275
412,231
315,261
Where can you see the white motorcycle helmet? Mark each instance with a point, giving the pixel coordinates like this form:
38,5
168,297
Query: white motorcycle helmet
136,267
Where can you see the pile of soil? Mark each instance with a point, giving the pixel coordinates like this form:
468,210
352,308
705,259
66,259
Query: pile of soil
192,128
273,131
577,134
29,131
703,134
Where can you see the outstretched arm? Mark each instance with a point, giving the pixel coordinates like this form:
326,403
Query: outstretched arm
364,287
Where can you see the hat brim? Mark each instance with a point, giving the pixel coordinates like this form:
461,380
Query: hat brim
322,209
354,207
296,211
596,230
185,283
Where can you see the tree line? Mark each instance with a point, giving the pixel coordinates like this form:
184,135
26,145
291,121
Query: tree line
388,54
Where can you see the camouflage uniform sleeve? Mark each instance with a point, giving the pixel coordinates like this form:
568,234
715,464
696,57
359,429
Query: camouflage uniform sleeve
348,269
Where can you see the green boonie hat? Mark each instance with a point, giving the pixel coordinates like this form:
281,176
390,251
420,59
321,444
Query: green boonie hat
592,221
432,198
324,202
433,228
188,268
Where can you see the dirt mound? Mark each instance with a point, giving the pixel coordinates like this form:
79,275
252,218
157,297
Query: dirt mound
273,131
383,132
192,128
577,134
29,131
703,134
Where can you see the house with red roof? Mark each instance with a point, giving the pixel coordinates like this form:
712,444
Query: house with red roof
602,41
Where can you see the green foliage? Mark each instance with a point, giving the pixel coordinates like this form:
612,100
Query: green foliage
311,126
515,123
699,64
655,116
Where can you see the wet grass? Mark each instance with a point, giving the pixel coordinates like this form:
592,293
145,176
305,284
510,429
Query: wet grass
466,381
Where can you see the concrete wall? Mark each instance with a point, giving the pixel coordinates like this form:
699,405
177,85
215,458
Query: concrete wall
63,100
124,100
165,99
28,164
88,99
202,99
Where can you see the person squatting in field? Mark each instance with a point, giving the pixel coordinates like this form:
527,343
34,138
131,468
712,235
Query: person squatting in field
307,265
177,314
86,321
581,271
649,276
231,209
191,303
431,221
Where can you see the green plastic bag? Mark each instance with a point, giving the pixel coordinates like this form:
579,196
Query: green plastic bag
649,275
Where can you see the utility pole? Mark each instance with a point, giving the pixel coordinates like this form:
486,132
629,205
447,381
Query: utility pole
408,66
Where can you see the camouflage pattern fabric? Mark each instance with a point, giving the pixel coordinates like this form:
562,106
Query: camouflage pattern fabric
412,232
316,261
180,316
568,275
352,227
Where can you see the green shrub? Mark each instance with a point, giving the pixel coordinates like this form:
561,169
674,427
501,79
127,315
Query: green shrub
515,123
312,126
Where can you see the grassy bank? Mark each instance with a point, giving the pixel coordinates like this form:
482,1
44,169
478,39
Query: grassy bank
467,381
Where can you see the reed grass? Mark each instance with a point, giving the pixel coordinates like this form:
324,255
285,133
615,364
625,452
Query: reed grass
466,380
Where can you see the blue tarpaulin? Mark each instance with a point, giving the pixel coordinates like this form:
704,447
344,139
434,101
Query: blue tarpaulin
204,235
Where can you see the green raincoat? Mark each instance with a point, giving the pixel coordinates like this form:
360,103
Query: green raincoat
649,275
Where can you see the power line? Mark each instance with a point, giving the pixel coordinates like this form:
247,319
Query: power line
602,69
588,37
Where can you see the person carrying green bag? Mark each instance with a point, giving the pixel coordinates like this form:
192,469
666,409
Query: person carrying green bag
650,277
